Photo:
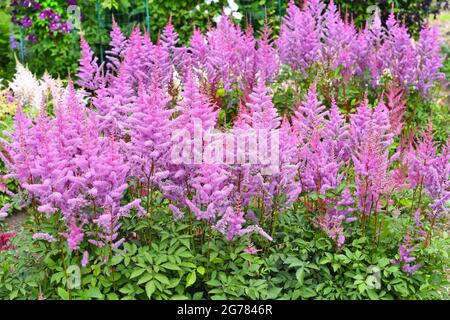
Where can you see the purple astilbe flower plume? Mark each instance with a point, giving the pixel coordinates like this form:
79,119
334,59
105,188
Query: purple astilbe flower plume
150,133
212,192
74,237
332,222
396,105
406,259
340,39
199,49
309,117
336,133
22,148
283,182
316,9
421,157
398,53
196,114
246,64
89,73
114,103
369,44
266,56
118,44
160,59
265,122
106,185
263,113
85,259
177,213
195,106
429,59
299,42
431,170
321,170
232,222
4,211
169,40
370,141
231,56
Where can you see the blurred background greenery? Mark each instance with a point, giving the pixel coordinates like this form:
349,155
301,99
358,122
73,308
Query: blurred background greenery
58,52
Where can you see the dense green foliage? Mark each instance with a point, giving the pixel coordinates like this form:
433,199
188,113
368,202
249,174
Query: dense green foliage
166,260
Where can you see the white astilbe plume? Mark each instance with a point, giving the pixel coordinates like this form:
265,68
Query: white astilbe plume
53,89
27,89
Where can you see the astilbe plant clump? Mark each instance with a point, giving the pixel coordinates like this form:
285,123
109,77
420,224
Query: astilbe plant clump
135,141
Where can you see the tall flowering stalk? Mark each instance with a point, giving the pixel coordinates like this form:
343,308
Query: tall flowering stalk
150,134
371,138
299,42
90,75
429,60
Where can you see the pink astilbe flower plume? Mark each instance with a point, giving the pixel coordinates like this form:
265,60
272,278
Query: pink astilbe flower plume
118,44
398,53
309,117
371,139
266,57
150,134
336,133
431,169
335,217
396,105
299,42
90,75
429,59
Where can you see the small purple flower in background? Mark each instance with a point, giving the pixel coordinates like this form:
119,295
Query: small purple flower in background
45,14
64,27
43,236
36,6
72,2
56,17
53,26
26,3
33,38
26,22
13,42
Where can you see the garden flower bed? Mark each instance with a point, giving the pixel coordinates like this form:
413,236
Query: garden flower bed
236,167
